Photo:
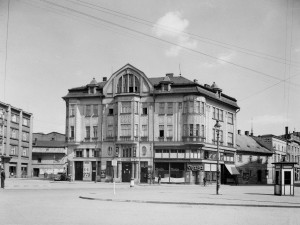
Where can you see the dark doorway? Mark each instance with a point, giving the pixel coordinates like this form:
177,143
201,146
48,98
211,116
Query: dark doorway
144,172
93,171
36,172
126,172
78,170
258,176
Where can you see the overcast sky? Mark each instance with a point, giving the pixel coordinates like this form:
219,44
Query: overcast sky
250,48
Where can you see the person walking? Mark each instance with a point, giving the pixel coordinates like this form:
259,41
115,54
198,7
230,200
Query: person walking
204,181
2,178
159,178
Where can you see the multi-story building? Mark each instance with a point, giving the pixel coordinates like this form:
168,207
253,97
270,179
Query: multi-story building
162,125
253,161
16,140
49,153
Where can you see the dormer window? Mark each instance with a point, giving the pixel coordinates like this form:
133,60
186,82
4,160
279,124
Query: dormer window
128,83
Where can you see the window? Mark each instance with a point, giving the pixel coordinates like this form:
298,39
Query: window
126,152
170,108
109,151
88,132
191,129
136,130
110,131
144,150
161,131
72,110
14,118
161,108
215,135
13,150
287,177
185,129
25,121
25,151
97,152
202,131
88,110
170,131
87,153
197,106
217,114
95,131
191,106
202,107
72,132
250,158
230,139
230,118
144,109
109,168
136,107
110,112
128,83
126,107
79,153
39,160
95,110
240,157
144,131
25,136
197,130
14,133
126,130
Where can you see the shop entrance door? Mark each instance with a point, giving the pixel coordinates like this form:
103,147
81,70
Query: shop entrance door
78,170
126,172
258,176
93,171
36,172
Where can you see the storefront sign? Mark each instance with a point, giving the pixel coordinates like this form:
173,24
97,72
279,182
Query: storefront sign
86,169
195,167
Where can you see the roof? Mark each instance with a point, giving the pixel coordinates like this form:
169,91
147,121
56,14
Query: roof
245,143
50,144
179,80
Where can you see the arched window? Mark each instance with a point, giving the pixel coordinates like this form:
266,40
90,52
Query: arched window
128,83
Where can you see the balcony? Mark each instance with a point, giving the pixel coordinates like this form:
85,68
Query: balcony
87,139
193,139
125,138
144,138
109,139
215,142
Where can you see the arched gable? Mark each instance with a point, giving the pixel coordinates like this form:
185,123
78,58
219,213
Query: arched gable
128,79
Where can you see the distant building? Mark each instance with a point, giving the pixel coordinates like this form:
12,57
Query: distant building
150,126
253,161
48,154
15,140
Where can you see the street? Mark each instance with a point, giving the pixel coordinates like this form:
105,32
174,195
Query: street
90,203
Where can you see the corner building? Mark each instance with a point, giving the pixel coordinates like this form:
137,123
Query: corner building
150,126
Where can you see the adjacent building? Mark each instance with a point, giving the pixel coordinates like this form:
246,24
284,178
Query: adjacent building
148,126
49,153
15,140
253,161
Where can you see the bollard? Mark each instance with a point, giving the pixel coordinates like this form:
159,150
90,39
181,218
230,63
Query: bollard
132,182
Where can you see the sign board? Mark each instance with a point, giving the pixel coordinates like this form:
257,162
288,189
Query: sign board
114,162
195,167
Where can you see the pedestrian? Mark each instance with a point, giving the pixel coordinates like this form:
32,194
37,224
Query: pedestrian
204,181
2,178
159,178
236,180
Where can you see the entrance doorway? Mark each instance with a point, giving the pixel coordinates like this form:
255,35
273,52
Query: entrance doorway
258,176
36,172
93,171
144,172
78,170
126,172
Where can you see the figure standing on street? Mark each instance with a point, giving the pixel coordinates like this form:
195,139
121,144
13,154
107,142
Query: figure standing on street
159,178
2,178
204,181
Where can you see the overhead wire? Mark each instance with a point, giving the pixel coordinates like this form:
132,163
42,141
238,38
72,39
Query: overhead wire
6,50
163,40
198,37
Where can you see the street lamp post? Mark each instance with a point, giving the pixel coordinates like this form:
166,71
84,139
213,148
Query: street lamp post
217,127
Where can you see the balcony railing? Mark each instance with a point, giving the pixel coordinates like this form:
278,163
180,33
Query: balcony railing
109,139
144,138
193,139
125,138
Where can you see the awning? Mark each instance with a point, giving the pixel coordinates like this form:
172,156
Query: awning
232,169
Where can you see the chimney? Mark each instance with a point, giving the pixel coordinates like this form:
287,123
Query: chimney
170,75
196,81
104,78
286,132
247,133
239,132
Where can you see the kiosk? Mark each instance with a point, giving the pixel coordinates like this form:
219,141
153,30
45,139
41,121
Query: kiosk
284,178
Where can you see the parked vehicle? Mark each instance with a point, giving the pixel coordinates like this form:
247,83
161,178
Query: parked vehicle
62,177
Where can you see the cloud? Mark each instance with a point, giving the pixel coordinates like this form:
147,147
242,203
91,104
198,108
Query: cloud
270,119
173,27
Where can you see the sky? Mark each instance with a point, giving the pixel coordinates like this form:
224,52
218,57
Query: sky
250,48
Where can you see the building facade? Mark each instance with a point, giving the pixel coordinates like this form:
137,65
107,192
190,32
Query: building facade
16,140
49,153
148,127
253,161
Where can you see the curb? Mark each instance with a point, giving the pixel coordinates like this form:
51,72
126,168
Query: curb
188,203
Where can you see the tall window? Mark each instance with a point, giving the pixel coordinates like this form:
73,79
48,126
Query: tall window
95,110
88,110
230,118
170,108
25,151
197,106
87,132
191,106
230,139
95,131
136,107
161,108
161,131
78,153
14,133
170,131
72,132
14,118
197,130
202,131
72,110
125,130
191,130
13,150
110,130
25,136
144,131
126,152
144,109
202,107
128,83
25,121
136,130
126,107
217,114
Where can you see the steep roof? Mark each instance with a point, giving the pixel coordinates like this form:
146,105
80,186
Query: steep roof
245,143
